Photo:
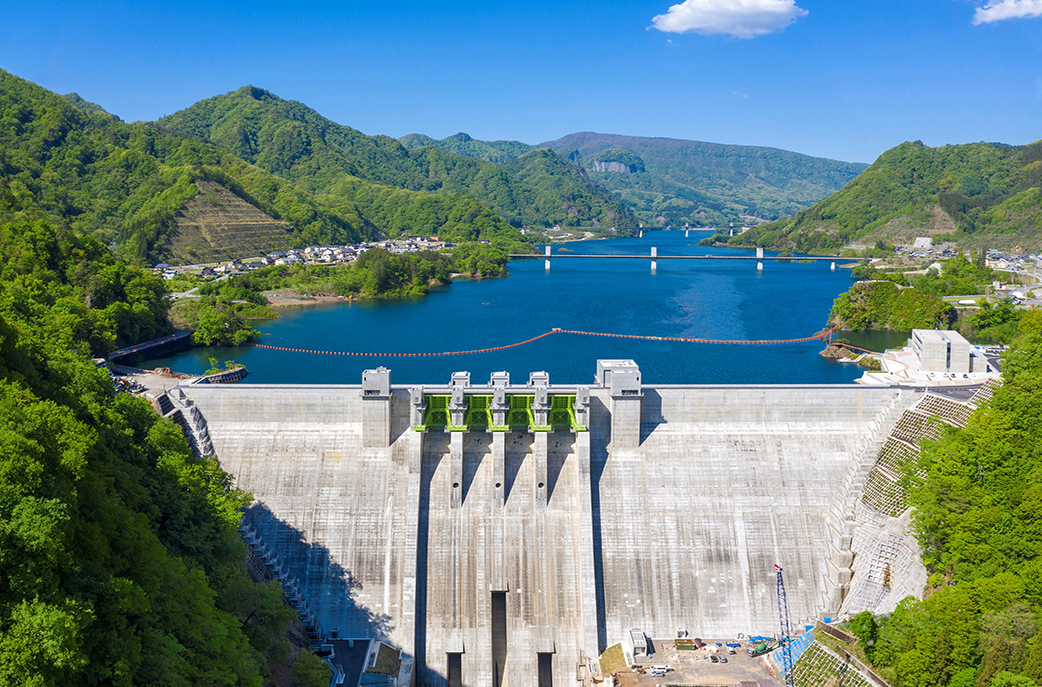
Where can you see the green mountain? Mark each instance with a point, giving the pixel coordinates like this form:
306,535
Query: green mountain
498,152
155,195
671,181
979,194
86,105
665,180
295,142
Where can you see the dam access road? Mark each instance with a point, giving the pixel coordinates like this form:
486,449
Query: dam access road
502,531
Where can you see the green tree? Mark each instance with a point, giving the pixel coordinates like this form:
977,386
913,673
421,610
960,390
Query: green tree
220,327
864,627
120,558
311,671
1008,679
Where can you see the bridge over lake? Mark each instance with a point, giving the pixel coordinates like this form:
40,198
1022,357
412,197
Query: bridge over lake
654,257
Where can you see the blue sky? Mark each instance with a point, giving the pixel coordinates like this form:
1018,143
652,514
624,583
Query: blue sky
825,77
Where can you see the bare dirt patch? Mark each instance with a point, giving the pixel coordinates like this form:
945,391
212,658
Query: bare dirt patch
285,298
904,230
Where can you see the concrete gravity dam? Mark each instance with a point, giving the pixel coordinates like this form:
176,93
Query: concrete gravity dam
503,533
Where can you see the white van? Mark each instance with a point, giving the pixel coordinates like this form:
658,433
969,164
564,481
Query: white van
659,667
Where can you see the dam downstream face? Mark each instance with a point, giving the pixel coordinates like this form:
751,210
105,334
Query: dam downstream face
494,557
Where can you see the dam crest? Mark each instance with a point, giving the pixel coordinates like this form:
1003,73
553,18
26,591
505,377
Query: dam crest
502,531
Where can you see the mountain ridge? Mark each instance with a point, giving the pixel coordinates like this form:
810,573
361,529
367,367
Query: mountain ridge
677,181
125,184
978,194
705,183
291,140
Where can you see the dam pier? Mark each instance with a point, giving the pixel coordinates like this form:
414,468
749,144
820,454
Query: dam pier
503,533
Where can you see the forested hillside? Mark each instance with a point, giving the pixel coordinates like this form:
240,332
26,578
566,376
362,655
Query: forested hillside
673,181
979,194
977,504
293,141
705,183
124,183
130,184
120,561
87,106
499,152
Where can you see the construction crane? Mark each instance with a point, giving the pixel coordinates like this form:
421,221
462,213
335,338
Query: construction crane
785,638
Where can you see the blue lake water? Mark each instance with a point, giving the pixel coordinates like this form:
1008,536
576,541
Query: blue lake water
690,298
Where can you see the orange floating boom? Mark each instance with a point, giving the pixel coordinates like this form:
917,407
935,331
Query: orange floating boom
576,332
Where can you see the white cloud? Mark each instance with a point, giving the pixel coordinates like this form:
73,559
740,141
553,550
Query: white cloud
738,18
1007,9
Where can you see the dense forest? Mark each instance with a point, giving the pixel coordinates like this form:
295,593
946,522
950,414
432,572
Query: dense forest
293,141
885,305
126,184
897,300
979,194
977,500
120,560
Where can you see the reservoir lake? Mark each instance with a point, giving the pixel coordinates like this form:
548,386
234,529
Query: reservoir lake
685,298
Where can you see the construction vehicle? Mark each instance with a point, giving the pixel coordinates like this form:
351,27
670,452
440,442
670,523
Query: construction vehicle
762,647
758,649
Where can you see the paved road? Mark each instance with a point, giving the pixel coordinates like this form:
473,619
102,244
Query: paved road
190,293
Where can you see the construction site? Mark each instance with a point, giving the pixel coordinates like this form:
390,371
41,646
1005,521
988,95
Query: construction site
503,532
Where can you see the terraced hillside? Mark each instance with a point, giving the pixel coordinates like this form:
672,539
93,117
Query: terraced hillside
218,225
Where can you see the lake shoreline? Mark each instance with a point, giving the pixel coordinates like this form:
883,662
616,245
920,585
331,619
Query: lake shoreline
719,300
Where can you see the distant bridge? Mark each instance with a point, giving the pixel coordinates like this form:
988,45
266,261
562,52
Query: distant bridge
654,257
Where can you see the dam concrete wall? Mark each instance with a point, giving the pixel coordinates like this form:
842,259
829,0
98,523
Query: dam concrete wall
476,551
728,481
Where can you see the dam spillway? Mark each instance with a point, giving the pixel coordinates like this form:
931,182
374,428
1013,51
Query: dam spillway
493,553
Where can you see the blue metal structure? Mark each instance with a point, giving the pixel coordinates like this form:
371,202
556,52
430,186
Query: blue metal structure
785,638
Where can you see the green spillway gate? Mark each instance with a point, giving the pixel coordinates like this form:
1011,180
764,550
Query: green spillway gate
519,416
479,412
562,413
437,414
